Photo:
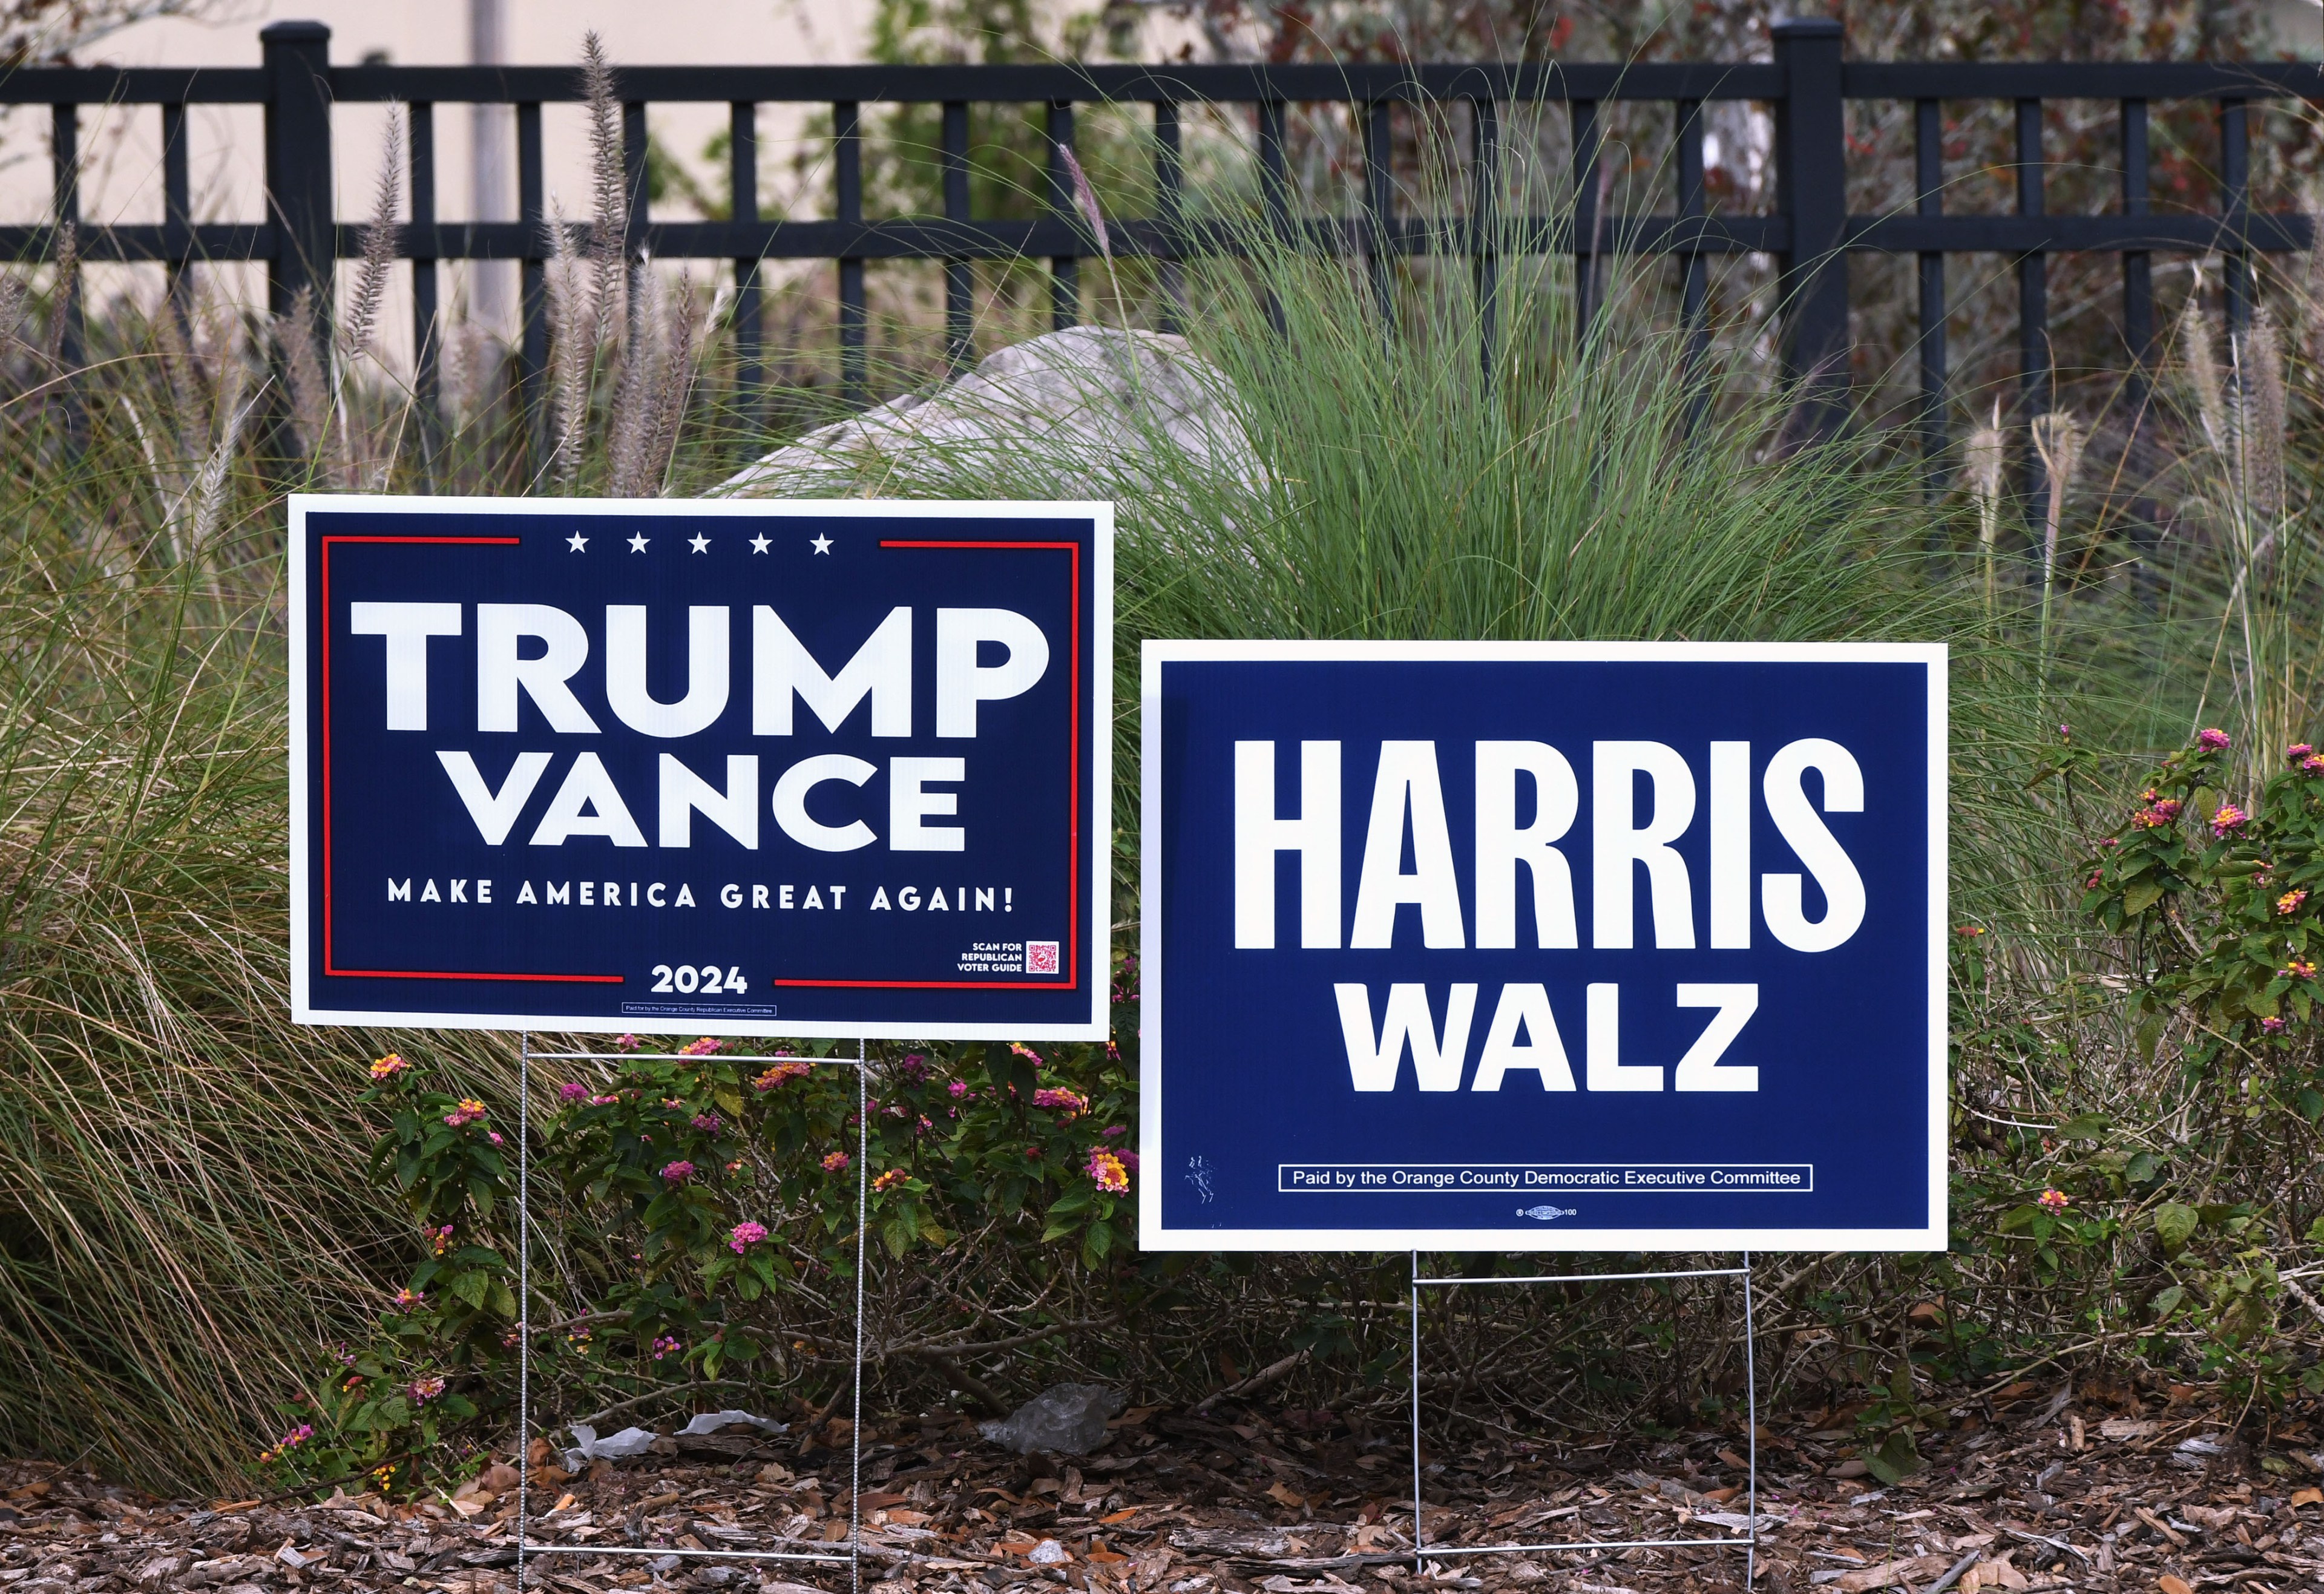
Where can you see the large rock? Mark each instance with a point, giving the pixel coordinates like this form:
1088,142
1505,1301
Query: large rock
1087,412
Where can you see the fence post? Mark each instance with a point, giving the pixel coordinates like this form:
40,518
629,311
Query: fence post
298,62
1811,194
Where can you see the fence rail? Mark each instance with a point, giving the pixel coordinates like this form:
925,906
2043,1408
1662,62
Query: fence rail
1810,232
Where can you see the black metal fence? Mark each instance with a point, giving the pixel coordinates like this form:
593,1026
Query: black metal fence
1809,232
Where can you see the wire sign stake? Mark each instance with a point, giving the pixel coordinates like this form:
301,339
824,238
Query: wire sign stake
1423,1552
849,1553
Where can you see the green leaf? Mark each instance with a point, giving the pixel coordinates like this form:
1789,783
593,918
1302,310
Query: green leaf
2141,897
2140,1168
2167,1301
1896,1459
2088,1126
2174,1224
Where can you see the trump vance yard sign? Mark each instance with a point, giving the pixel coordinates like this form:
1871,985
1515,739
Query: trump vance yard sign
799,769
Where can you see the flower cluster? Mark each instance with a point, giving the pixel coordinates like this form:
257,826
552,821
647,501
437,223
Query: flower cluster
782,1073
389,1067
665,1345
2228,819
678,1172
2290,901
412,1300
708,1122
889,1180
1022,1050
2270,1026
1072,1103
2054,1201
2297,751
2297,969
699,1048
424,1390
1107,1171
467,1112
2212,741
441,1238
836,1162
2158,813
626,1042
745,1235
573,1090
288,1442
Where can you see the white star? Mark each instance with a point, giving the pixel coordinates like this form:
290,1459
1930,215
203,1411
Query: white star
758,545
638,543
699,544
577,542
821,544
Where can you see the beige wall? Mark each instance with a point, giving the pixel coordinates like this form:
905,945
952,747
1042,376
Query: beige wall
122,153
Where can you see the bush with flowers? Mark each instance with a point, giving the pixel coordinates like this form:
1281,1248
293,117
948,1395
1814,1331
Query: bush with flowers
693,1208
2217,901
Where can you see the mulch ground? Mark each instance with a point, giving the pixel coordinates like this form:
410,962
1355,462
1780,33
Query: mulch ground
2049,1490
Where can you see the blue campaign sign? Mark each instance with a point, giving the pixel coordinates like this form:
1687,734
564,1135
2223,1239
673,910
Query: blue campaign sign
1554,945
798,768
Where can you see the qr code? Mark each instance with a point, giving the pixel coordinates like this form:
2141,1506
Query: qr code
1040,957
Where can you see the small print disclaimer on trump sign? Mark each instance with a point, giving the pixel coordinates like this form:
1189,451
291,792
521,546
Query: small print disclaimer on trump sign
1608,1178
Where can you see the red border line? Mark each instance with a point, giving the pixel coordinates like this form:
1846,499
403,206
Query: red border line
1073,800
331,967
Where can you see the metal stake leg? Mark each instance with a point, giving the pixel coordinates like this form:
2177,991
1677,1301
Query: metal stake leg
1748,1542
1419,1565
1751,1435
525,1544
855,1423
523,1293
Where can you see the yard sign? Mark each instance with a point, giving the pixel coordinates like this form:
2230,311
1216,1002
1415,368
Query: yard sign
798,768
1558,946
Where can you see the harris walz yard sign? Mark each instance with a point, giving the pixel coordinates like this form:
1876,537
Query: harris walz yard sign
801,769
1587,946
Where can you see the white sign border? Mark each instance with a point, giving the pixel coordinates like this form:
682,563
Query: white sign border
1152,1236
1099,863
